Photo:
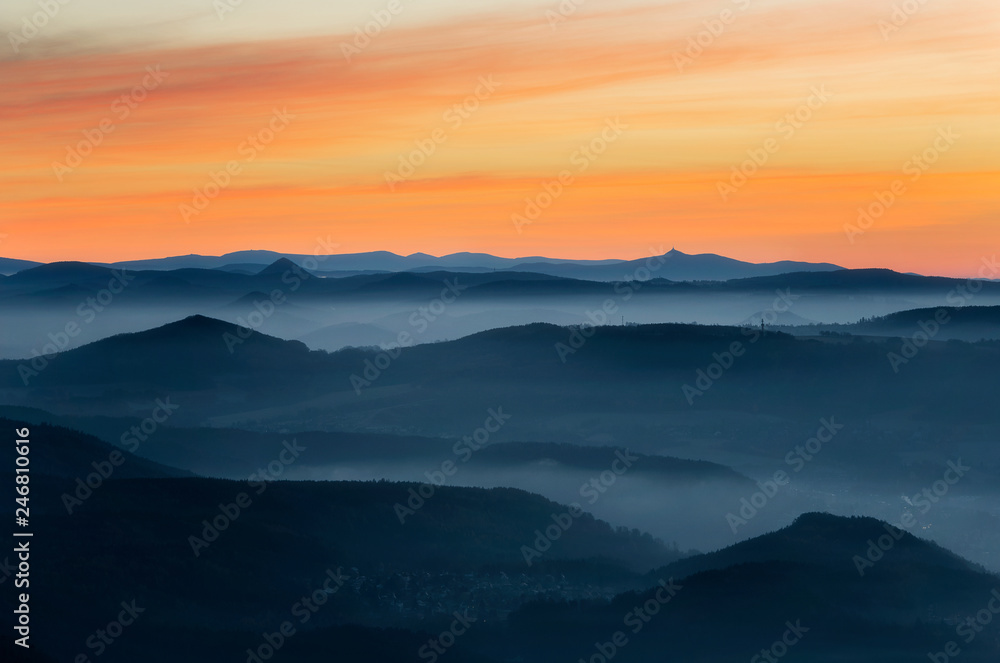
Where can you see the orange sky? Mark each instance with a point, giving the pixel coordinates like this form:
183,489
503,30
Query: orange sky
553,90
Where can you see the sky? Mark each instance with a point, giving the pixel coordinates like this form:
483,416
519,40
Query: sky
862,133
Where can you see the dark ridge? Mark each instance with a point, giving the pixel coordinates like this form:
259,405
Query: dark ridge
279,267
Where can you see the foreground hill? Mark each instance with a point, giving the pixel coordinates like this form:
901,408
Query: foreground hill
228,561
808,541
462,551
800,586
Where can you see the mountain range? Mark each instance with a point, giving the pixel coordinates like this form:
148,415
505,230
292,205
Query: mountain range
289,301
527,466
673,265
647,388
174,550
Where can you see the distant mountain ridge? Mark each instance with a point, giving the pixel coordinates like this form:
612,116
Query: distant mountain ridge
673,265
332,310
13,265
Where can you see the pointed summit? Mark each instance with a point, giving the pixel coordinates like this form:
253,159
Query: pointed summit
280,266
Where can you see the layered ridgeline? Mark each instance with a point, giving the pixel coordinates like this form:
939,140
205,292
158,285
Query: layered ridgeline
227,564
211,570
218,373
657,493
677,266
738,397
202,354
65,305
742,389
234,453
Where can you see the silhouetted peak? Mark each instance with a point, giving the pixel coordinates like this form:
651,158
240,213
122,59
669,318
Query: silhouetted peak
820,525
822,520
280,266
195,332
196,323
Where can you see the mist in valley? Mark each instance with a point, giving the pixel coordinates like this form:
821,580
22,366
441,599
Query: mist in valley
518,445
